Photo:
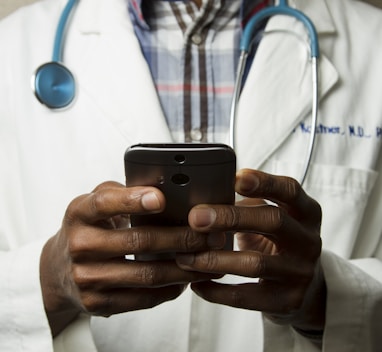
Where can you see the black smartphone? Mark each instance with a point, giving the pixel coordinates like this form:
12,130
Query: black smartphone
187,174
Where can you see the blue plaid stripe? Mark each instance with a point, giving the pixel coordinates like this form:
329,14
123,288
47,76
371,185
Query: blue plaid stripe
192,55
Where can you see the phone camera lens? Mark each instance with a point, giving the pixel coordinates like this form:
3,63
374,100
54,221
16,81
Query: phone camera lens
180,158
180,179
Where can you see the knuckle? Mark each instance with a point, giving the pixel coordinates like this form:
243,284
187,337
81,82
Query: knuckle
208,260
75,247
292,188
277,219
107,185
294,302
233,219
191,240
316,247
255,265
150,275
96,201
81,277
268,184
72,211
317,211
306,273
96,303
78,247
313,248
138,241
284,300
286,303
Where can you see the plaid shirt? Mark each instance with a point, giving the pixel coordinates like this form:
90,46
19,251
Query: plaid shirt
192,54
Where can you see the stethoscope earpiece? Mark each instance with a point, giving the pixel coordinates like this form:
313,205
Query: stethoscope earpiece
54,85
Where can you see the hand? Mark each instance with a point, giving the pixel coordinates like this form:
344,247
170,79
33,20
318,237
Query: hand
279,244
83,267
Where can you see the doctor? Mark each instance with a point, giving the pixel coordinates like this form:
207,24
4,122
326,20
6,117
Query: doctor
62,236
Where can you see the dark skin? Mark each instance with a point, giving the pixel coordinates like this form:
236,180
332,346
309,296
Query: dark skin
83,268
280,245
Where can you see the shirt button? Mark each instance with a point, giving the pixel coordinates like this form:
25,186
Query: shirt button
197,39
196,135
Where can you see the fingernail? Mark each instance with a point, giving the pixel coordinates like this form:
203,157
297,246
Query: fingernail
216,240
204,217
247,182
150,201
186,259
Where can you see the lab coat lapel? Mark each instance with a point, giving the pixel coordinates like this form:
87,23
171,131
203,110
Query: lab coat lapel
128,97
282,66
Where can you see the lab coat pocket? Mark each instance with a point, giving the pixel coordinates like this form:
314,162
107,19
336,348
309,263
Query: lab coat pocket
343,194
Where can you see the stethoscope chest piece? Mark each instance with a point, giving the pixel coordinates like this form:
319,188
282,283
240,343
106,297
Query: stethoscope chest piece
54,85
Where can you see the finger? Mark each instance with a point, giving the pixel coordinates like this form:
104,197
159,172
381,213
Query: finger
271,221
279,189
92,243
246,264
269,297
268,220
262,218
250,202
125,274
109,302
108,201
255,242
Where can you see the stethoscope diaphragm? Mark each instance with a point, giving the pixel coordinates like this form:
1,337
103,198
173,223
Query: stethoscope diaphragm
54,85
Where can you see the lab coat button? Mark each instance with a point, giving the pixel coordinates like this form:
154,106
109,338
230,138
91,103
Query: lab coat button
196,135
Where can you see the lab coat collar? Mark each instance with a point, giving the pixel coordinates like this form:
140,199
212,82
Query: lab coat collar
121,89
95,15
282,66
319,13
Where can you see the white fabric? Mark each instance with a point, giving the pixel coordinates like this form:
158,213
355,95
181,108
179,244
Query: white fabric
48,158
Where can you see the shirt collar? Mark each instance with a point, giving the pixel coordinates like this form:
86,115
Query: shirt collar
136,8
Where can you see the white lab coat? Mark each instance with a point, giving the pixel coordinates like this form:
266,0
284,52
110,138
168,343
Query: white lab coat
48,158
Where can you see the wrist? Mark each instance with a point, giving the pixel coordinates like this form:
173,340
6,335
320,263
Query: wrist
59,310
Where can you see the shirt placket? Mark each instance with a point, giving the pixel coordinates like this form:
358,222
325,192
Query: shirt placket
195,93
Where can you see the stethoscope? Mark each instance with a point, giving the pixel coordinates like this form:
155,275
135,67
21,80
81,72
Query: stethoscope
54,84
245,45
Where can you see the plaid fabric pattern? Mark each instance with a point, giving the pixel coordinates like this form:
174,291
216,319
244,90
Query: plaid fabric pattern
192,54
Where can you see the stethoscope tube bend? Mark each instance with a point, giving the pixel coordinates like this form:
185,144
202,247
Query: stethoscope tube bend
245,46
